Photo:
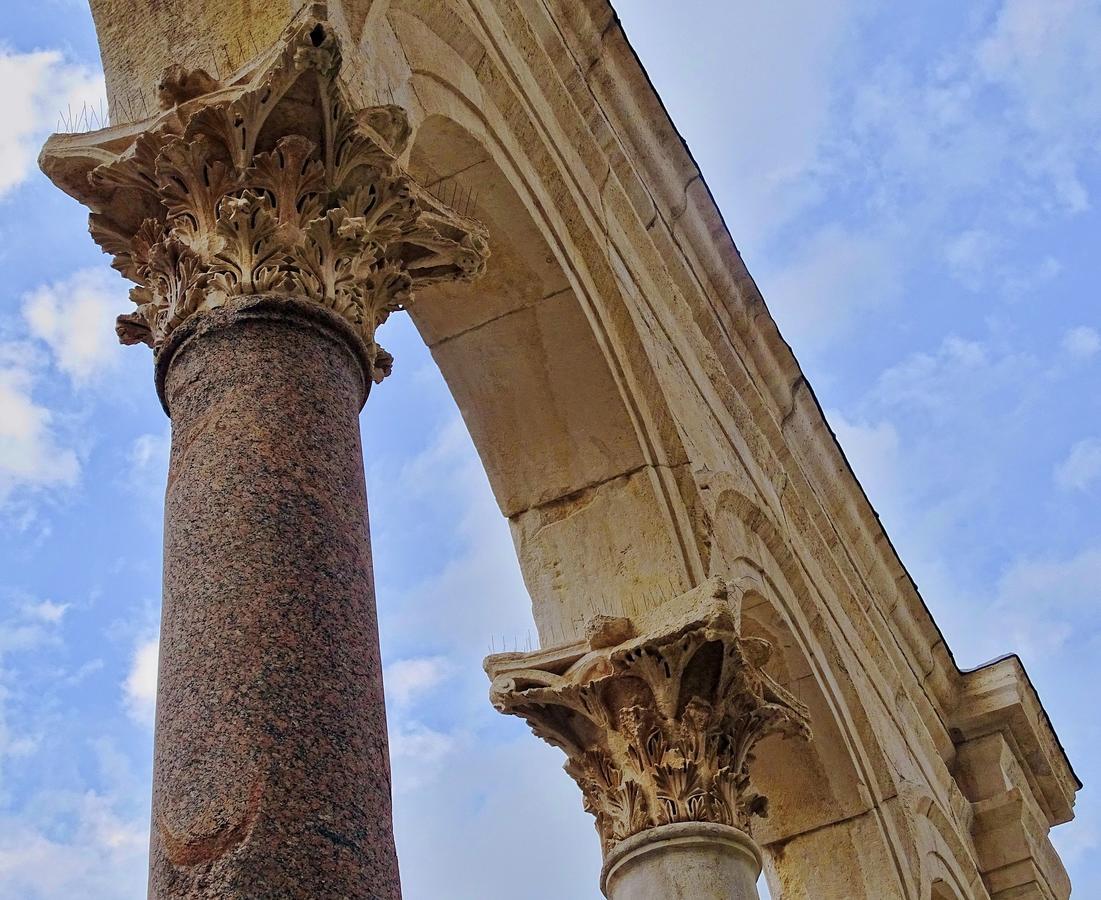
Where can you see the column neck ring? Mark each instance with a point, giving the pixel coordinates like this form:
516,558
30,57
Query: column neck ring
679,837
240,311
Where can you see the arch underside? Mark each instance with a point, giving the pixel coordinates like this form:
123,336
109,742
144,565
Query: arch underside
575,364
644,426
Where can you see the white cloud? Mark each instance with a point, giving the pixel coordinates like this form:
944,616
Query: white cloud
140,687
76,318
29,626
1046,55
969,255
407,678
419,607
30,453
417,754
1082,342
488,795
1082,467
151,450
1046,603
148,472
981,261
1009,115
21,748
38,87
935,381
47,611
102,855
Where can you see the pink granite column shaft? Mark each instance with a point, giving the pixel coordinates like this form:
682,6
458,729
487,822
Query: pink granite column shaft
271,772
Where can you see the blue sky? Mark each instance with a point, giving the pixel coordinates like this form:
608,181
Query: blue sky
915,188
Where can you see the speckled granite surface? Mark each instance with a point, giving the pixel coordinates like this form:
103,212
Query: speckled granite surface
271,770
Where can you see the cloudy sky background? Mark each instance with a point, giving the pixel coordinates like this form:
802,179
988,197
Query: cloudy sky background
915,188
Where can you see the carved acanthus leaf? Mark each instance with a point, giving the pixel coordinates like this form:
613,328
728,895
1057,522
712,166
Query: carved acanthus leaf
193,183
179,85
659,728
274,184
249,259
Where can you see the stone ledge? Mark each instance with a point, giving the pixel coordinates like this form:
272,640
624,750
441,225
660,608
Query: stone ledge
999,698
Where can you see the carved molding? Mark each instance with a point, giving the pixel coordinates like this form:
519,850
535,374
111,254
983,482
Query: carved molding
658,727
274,184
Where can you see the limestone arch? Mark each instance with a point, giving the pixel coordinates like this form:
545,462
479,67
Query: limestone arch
581,450
470,131
948,871
589,391
829,830
893,837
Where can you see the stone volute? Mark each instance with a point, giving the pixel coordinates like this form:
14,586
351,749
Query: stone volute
270,230
658,719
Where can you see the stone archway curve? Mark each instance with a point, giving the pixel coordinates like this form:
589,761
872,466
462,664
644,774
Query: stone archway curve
831,824
642,423
462,129
577,438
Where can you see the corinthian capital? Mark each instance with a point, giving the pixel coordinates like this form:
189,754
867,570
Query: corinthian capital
273,183
658,719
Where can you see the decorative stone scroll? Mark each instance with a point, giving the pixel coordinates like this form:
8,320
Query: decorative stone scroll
658,727
272,184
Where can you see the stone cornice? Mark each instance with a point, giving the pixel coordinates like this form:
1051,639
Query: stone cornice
274,184
663,172
998,698
659,717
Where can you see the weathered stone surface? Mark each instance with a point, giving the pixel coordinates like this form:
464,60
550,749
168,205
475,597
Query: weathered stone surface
1007,766
701,861
658,718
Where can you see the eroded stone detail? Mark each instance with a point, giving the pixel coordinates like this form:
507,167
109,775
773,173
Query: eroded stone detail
275,184
659,728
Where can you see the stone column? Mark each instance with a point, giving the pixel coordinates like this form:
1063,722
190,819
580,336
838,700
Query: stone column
271,730
270,231
700,860
658,719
